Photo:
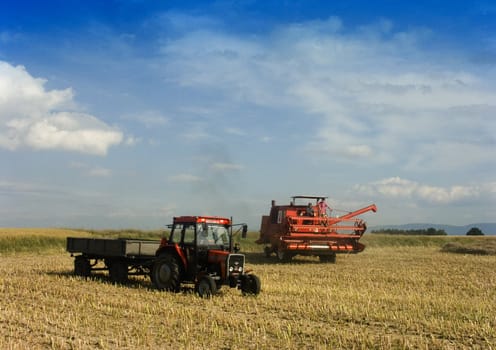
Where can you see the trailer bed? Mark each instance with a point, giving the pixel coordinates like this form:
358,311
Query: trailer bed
121,247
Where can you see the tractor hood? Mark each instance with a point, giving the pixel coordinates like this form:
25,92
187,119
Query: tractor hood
217,255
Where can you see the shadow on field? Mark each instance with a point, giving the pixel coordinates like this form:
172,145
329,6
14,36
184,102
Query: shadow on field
133,282
261,259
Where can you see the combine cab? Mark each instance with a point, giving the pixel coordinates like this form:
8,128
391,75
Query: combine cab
309,228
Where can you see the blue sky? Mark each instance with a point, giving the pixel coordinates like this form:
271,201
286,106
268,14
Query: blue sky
125,113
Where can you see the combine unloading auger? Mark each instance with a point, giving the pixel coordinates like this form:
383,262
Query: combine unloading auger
290,230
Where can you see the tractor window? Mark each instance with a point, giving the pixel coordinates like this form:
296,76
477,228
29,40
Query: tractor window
175,236
189,233
204,235
221,235
211,234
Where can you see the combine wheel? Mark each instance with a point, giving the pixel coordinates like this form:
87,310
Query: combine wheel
268,252
250,285
118,271
206,287
284,256
328,258
82,266
165,273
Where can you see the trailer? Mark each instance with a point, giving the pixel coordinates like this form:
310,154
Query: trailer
121,257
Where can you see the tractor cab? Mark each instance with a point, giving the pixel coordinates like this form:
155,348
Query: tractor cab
203,233
193,239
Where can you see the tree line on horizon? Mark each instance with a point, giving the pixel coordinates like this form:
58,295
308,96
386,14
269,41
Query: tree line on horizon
431,231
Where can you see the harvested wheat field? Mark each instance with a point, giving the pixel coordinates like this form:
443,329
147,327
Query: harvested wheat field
388,297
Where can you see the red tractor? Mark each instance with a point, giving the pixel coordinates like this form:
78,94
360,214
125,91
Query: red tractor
309,228
200,250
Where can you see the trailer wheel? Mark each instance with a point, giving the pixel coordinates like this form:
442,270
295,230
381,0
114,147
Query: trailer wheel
328,258
206,287
165,273
250,285
82,266
118,271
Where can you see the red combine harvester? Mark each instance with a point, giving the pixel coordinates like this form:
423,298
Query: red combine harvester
311,229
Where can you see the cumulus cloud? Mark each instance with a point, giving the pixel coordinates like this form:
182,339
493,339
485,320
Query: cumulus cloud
32,116
398,188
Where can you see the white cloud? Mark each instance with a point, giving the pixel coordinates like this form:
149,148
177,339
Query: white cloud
131,140
235,131
373,93
99,172
398,188
226,167
90,170
17,189
31,116
150,119
187,178
196,131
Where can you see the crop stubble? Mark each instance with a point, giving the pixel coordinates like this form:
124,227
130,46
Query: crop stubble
406,297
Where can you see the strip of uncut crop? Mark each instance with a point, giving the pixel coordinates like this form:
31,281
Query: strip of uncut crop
383,298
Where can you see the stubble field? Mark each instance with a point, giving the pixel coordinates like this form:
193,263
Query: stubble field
407,294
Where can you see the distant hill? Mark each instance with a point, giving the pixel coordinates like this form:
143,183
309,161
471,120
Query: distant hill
486,228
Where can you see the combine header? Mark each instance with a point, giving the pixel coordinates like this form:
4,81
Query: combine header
309,228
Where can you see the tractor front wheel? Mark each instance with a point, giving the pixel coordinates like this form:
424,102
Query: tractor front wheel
250,285
206,287
165,273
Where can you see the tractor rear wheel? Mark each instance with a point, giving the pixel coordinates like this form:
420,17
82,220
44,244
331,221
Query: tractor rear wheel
206,287
250,285
165,273
82,266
